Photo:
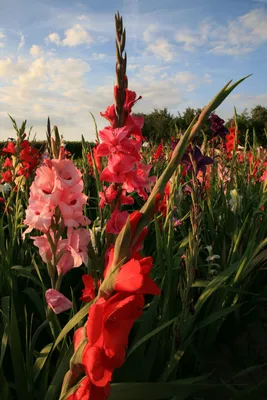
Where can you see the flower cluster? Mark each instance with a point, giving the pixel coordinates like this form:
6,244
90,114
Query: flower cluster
159,152
231,140
125,171
21,160
217,126
105,337
55,206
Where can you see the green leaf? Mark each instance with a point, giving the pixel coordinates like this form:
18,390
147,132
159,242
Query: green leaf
55,386
72,323
41,360
157,391
26,273
35,298
17,358
150,335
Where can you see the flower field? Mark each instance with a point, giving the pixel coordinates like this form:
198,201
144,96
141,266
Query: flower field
136,271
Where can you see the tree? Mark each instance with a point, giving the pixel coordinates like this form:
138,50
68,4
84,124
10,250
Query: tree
158,126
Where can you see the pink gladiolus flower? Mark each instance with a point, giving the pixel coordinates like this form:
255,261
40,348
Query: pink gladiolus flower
74,248
117,141
38,216
116,221
110,195
139,180
110,115
57,301
44,248
45,187
78,240
66,172
118,167
71,207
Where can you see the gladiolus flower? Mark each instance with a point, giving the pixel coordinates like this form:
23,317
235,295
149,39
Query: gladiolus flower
116,222
7,176
109,324
7,163
10,148
57,301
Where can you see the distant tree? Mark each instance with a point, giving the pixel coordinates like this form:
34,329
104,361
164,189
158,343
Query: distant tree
158,126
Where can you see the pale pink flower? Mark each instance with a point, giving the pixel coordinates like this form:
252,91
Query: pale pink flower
74,249
71,207
45,187
72,217
69,259
38,216
116,221
44,247
57,301
66,172
78,240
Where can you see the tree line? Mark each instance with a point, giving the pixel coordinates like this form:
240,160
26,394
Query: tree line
161,125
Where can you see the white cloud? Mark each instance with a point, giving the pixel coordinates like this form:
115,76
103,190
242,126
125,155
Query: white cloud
2,39
207,78
53,38
36,51
235,37
10,69
98,56
133,67
161,48
77,35
82,18
22,42
34,89
148,34
73,37
184,77
193,39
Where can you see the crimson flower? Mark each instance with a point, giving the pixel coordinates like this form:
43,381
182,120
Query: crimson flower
10,148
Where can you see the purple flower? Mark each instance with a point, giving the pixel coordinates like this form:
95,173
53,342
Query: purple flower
217,126
201,161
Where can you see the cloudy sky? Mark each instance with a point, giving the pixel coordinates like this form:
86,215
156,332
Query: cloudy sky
57,58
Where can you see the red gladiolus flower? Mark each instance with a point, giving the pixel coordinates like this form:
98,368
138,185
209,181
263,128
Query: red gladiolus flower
133,277
116,221
158,152
10,148
110,115
98,366
88,391
109,324
7,163
88,292
7,176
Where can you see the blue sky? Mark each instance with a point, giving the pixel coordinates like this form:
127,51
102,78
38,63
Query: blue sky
57,58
